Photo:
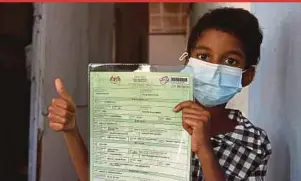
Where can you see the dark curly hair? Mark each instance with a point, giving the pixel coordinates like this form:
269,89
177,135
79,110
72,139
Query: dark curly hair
235,21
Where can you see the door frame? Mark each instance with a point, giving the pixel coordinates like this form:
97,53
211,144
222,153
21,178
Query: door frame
37,115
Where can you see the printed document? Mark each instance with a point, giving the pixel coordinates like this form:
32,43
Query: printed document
134,133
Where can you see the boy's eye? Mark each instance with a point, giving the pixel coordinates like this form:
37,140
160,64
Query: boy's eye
203,56
231,62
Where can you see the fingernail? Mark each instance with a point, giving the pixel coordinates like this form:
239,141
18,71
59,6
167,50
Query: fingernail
175,109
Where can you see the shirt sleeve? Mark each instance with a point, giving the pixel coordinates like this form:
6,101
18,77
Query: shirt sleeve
260,172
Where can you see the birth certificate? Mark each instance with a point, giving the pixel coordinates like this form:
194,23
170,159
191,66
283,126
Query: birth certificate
134,133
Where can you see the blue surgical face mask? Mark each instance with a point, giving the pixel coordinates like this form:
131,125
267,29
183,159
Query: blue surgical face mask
214,84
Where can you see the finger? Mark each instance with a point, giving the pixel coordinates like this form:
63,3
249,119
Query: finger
60,103
56,126
196,114
187,104
60,111
190,116
57,119
182,105
198,120
193,111
61,89
66,105
190,122
187,128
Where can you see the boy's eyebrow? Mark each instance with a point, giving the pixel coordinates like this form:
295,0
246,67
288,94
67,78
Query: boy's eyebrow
237,53
201,47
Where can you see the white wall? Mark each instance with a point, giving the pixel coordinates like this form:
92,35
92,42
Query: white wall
75,34
275,99
166,49
240,101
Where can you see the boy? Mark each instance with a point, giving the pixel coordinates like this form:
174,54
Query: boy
223,48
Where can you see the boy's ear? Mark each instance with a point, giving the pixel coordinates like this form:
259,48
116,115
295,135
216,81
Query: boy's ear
248,76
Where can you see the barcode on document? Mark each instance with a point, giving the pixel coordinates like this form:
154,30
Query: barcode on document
179,80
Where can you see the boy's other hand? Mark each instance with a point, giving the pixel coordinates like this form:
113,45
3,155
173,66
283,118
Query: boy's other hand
62,110
196,121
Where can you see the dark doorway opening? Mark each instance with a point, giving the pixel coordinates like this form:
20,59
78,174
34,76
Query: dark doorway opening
16,27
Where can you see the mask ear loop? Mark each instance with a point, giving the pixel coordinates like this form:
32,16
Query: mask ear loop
252,66
183,56
181,59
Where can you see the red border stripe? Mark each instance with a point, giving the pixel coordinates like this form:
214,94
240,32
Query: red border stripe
129,1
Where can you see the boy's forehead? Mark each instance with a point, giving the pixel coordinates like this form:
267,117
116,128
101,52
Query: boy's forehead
216,40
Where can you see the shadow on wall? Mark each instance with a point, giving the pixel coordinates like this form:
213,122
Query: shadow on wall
275,95
280,159
292,87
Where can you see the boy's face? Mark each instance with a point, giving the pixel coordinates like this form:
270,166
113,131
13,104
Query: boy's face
218,47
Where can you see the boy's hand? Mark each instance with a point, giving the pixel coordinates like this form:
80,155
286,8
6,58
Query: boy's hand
62,110
196,121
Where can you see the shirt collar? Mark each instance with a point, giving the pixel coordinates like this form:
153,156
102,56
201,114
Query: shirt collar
245,134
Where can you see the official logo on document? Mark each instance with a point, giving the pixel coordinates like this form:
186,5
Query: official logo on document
164,80
115,79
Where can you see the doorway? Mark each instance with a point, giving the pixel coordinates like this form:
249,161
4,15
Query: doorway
16,24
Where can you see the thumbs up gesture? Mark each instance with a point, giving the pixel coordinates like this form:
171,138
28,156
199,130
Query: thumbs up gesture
62,110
